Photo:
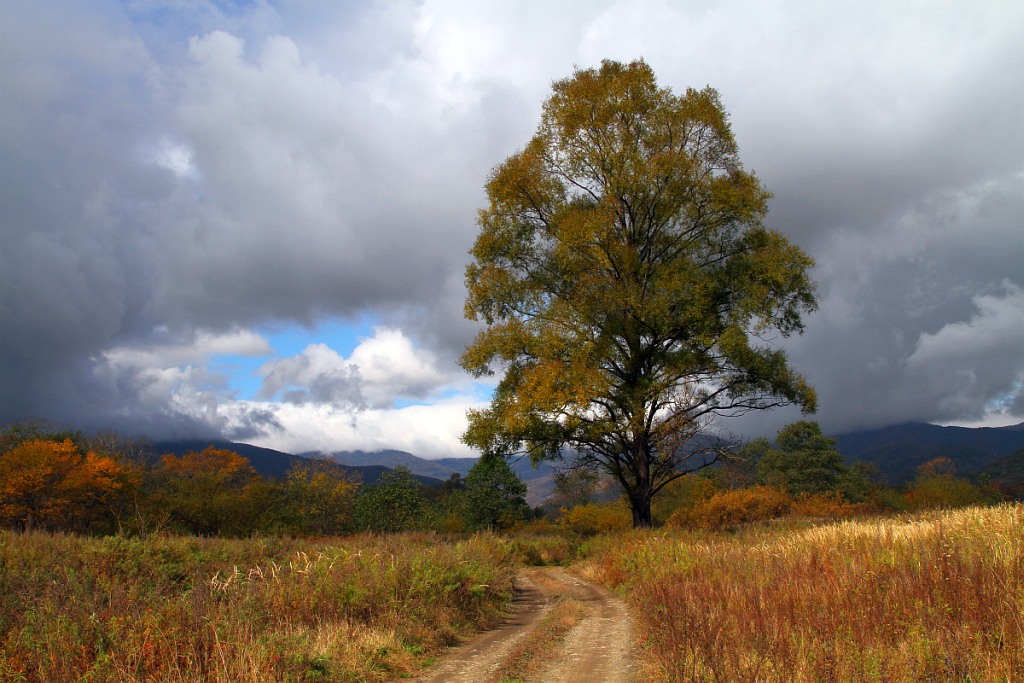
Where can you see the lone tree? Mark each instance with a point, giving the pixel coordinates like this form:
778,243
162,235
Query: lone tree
806,461
495,495
627,285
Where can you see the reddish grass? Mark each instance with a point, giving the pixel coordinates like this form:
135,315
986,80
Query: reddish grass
935,597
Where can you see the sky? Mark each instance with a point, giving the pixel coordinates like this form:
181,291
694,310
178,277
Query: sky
251,219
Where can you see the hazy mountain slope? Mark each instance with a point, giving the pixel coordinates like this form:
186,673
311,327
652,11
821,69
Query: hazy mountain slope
275,464
392,459
460,465
1008,471
539,482
899,449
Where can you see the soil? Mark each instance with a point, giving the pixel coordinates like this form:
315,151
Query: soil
596,650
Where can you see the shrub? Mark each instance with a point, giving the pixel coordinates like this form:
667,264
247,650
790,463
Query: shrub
937,486
394,504
682,494
597,518
730,509
827,505
934,596
219,610
942,491
543,544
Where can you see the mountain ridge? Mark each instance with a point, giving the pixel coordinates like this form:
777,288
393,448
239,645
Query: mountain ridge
899,449
275,464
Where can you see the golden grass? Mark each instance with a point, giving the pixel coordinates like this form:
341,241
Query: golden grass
937,596
192,609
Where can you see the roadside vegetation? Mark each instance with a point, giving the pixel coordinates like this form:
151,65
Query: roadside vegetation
935,596
172,608
782,564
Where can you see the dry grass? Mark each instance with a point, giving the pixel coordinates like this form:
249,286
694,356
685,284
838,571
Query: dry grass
190,609
934,597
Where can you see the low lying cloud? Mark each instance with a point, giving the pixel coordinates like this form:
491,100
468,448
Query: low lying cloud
429,430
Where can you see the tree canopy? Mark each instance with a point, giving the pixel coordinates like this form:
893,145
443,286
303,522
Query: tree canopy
805,461
495,496
628,285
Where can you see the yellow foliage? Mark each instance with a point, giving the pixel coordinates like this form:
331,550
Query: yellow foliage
220,464
942,491
732,508
596,518
829,504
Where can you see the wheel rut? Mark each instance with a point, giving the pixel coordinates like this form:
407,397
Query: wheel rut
595,648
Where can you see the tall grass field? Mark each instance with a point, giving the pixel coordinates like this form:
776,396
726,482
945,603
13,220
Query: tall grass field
934,597
193,609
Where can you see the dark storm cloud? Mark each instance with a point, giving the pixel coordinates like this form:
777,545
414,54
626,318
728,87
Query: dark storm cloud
234,185
172,176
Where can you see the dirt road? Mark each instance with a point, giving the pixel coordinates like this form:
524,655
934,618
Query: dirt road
593,646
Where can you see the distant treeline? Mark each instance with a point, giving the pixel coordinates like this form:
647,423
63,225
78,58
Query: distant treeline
105,484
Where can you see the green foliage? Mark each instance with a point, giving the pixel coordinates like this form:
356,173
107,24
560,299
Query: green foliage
494,495
395,503
622,269
806,461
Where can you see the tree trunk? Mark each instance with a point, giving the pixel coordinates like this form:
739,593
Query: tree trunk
640,496
641,512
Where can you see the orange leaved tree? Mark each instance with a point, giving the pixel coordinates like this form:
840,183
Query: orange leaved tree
214,491
54,485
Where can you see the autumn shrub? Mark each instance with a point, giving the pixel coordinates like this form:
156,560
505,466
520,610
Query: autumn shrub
542,542
202,609
729,509
827,506
942,491
596,518
933,597
684,493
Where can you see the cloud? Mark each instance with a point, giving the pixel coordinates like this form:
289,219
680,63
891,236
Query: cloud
381,370
170,380
176,176
430,431
199,347
973,368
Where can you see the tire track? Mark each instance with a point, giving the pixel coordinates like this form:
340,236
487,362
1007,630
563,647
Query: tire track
596,649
